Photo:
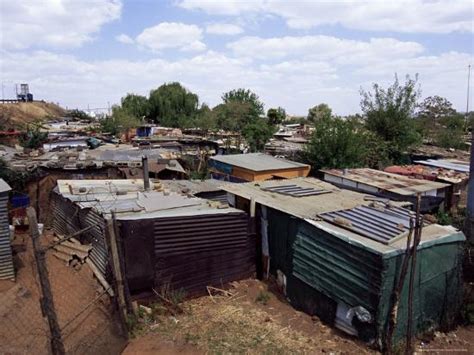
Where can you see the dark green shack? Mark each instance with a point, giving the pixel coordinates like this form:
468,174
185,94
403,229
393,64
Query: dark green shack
345,274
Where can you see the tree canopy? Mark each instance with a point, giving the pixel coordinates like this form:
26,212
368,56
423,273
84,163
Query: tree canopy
337,143
389,113
119,122
245,96
136,105
276,116
172,105
319,112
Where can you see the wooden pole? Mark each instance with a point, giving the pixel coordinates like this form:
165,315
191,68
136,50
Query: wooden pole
416,242
393,314
121,258
117,271
57,346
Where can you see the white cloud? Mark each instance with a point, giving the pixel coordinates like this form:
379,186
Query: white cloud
341,51
295,83
55,24
435,16
227,7
172,35
224,29
123,38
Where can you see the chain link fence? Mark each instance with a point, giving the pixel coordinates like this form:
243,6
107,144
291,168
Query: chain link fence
85,312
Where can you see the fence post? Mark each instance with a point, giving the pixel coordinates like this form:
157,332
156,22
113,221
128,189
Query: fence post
47,304
117,272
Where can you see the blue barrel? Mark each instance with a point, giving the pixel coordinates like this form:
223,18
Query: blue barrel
20,201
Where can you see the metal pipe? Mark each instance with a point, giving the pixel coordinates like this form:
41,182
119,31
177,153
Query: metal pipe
146,174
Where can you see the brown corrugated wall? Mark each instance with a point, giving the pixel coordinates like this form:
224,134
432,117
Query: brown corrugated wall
189,252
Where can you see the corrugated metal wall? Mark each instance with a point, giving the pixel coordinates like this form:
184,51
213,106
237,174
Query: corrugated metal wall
7,270
438,290
69,218
189,252
322,270
338,269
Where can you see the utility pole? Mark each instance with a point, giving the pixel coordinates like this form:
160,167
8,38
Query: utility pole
47,304
470,189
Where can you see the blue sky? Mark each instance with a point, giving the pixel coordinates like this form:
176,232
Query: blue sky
293,54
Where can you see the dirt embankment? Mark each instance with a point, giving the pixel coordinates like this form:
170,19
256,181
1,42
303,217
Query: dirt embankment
18,115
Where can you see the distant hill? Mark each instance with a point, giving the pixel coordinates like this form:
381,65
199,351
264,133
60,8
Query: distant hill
18,115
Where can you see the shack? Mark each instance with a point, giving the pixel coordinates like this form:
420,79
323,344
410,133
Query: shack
338,255
455,192
167,239
392,186
255,167
7,271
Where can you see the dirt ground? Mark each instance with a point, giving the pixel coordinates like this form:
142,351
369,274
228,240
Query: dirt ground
17,115
244,321
22,326
250,319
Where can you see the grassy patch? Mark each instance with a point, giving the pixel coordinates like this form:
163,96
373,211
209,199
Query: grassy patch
263,297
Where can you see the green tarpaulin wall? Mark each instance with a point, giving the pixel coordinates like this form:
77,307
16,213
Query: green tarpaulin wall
322,270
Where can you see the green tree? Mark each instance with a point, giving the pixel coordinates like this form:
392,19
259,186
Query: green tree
119,122
258,133
319,112
389,114
173,105
234,115
136,105
78,114
451,131
245,96
34,138
435,108
431,111
276,116
338,143
206,119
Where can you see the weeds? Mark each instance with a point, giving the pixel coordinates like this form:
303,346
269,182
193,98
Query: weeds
263,297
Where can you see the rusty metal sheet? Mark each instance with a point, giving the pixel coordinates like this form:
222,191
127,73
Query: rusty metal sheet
7,270
188,252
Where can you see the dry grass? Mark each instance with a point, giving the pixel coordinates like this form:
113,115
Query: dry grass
231,322
17,115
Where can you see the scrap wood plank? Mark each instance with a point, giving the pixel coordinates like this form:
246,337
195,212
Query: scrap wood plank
100,277
74,245
81,255
61,256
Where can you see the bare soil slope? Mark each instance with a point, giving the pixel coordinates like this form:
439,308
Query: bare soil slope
17,115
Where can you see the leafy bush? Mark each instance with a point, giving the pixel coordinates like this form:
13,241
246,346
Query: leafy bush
34,139
338,143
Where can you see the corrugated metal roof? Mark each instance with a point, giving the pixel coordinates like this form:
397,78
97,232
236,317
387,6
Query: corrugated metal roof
257,162
126,198
394,183
4,187
309,208
194,186
429,173
456,165
296,191
380,224
305,207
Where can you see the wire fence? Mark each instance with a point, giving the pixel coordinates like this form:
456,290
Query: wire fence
85,312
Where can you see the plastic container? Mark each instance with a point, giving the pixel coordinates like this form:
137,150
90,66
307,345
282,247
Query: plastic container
20,201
